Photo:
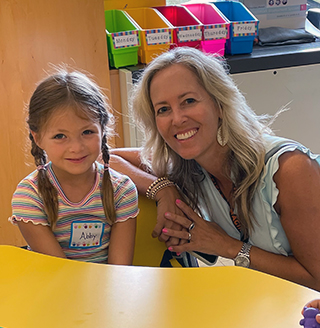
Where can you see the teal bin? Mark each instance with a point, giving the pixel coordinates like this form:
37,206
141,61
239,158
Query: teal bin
243,27
122,39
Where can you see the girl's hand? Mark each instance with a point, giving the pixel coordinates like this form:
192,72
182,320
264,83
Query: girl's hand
206,237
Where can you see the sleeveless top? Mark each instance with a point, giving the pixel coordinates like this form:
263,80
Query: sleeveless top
268,233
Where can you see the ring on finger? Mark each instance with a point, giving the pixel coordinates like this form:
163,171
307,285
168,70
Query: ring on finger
191,226
189,236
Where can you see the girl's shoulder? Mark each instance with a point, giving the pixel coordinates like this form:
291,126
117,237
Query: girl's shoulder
31,180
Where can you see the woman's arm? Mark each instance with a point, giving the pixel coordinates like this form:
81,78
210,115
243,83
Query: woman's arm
298,204
41,239
121,247
128,162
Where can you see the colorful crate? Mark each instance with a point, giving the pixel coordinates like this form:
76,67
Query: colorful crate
243,26
215,27
155,32
187,28
122,39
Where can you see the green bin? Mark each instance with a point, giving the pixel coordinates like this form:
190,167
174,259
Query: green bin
122,39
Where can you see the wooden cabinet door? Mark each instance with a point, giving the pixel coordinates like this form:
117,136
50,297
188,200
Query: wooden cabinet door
35,36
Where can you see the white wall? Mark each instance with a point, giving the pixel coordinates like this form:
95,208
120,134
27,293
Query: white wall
267,91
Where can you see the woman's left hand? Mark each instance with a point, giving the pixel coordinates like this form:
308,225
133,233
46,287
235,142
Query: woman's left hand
202,236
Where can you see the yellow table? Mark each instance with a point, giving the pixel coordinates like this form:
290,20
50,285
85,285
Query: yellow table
39,291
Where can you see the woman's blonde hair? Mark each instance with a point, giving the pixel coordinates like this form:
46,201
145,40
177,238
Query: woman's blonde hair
244,128
73,90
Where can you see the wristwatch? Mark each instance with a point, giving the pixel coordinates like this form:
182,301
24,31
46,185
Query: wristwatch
243,257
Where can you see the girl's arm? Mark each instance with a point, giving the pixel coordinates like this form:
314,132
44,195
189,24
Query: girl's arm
41,239
121,247
298,204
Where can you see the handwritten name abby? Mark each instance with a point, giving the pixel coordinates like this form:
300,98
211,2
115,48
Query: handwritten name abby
88,235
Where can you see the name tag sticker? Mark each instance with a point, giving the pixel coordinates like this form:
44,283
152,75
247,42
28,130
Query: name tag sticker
159,36
86,234
244,29
212,32
189,33
125,39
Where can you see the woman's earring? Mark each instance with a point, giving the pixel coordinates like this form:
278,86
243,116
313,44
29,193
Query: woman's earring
222,139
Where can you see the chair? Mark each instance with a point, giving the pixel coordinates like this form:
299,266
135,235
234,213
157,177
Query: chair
150,251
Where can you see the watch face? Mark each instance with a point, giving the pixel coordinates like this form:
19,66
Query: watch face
242,261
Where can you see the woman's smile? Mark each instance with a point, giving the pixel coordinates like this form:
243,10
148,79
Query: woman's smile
186,135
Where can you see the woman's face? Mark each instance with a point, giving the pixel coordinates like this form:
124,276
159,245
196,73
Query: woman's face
186,116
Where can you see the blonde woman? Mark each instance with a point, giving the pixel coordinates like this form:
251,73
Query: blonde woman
244,194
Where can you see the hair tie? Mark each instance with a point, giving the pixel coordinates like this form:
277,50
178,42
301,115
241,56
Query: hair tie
106,166
41,167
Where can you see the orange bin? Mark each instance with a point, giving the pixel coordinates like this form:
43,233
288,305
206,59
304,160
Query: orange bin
155,32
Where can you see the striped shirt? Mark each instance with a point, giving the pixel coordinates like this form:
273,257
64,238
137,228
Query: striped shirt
81,229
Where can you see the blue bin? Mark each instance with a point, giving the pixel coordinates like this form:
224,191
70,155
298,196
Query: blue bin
243,27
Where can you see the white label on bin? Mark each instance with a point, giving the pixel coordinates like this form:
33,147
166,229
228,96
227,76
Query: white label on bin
125,39
189,33
212,32
244,28
159,36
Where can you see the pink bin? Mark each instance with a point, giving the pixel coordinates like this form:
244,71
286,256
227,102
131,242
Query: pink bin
187,28
215,27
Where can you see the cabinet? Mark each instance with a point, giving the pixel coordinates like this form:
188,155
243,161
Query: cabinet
34,36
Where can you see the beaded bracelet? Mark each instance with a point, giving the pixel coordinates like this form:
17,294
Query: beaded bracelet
157,186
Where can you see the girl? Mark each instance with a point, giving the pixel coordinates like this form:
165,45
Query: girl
72,206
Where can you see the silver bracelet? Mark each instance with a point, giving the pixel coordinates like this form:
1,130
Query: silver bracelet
157,185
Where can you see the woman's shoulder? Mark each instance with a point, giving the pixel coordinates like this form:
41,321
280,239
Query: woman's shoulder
276,146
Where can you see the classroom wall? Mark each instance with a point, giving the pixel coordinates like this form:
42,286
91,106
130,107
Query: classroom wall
294,88
34,35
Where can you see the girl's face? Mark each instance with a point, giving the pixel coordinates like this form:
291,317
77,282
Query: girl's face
186,116
71,142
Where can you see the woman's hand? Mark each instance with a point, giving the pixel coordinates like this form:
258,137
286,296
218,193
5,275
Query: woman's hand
206,237
166,203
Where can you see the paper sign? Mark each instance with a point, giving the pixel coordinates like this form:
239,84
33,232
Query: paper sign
125,39
189,33
159,36
212,32
244,29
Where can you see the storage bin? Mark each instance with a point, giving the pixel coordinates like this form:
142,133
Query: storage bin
122,39
187,28
215,27
155,32
243,26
